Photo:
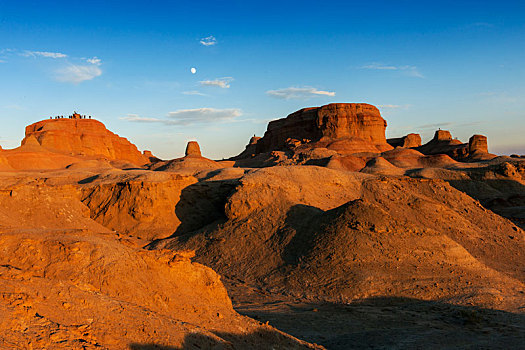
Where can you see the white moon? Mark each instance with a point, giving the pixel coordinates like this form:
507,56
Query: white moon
193,70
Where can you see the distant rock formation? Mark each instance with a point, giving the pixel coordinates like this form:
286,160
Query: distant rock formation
193,163
314,135
408,141
443,143
84,137
193,149
250,150
360,121
478,143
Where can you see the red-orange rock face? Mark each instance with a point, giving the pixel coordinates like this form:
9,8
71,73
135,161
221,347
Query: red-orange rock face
82,137
333,121
478,143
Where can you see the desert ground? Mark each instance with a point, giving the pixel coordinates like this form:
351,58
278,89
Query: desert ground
321,234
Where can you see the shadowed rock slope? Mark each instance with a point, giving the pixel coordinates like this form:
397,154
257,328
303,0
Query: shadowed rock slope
335,236
67,282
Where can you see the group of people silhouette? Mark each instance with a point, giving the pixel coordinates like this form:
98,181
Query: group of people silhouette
75,115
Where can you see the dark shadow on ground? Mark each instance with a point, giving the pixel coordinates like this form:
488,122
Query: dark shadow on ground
393,323
504,197
88,180
263,339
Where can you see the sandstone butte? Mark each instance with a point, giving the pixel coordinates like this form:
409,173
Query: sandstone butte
82,137
359,121
352,241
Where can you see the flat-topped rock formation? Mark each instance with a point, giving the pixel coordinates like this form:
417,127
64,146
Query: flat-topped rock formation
408,141
329,122
84,137
193,149
443,143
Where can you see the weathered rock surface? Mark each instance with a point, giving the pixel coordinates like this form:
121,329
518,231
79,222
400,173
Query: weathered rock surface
478,143
67,282
81,137
193,149
443,143
330,122
408,141
349,235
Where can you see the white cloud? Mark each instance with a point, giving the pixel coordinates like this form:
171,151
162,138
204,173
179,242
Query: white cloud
77,73
94,60
223,83
193,92
208,41
43,54
379,66
408,70
191,116
137,118
302,93
202,115
394,106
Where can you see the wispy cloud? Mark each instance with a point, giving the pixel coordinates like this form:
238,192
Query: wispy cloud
77,73
208,41
94,60
190,116
300,93
434,126
408,70
73,69
137,118
46,54
201,115
498,97
223,83
394,106
193,92
379,66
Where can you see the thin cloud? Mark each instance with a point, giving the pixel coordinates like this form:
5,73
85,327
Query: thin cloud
202,115
193,93
77,73
187,117
379,66
394,106
300,93
94,60
46,54
408,70
208,41
437,125
223,83
137,118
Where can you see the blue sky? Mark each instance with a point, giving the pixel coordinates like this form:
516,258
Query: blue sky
425,64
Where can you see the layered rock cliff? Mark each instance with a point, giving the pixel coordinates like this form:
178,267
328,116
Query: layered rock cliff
87,137
330,122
